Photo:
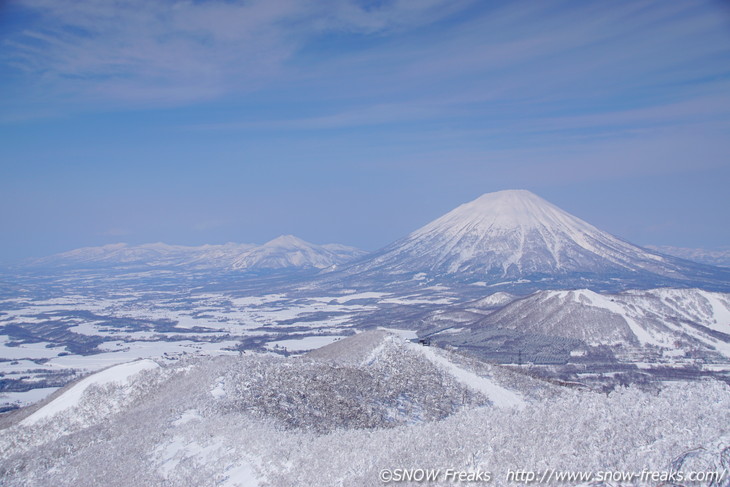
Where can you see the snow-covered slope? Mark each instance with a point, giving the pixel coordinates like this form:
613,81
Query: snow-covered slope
384,350
516,236
495,300
289,251
679,320
313,421
500,396
119,375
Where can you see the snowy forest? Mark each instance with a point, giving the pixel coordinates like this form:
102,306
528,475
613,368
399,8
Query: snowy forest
343,414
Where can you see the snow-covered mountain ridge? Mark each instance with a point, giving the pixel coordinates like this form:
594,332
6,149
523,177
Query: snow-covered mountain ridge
282,252
655,327
670,318
717,257
152,255
256,420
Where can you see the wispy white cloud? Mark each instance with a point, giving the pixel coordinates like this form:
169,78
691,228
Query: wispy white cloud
529,68
180,51
296,101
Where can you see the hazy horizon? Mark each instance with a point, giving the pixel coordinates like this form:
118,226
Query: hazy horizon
357,122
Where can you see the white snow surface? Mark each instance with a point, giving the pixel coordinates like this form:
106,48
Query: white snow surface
305,343
493,300
120,374
27,397
241,475
500,396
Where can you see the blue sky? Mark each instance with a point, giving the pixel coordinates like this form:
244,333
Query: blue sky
356,122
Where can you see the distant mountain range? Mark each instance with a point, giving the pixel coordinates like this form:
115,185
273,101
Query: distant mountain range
147,255
285,252
512,240
716,257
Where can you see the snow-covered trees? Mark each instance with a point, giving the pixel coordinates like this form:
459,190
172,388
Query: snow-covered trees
296,421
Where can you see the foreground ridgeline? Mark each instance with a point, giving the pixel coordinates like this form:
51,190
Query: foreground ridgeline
345,414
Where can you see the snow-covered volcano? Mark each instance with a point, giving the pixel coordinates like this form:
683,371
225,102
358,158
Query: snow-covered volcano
515,235
288,251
